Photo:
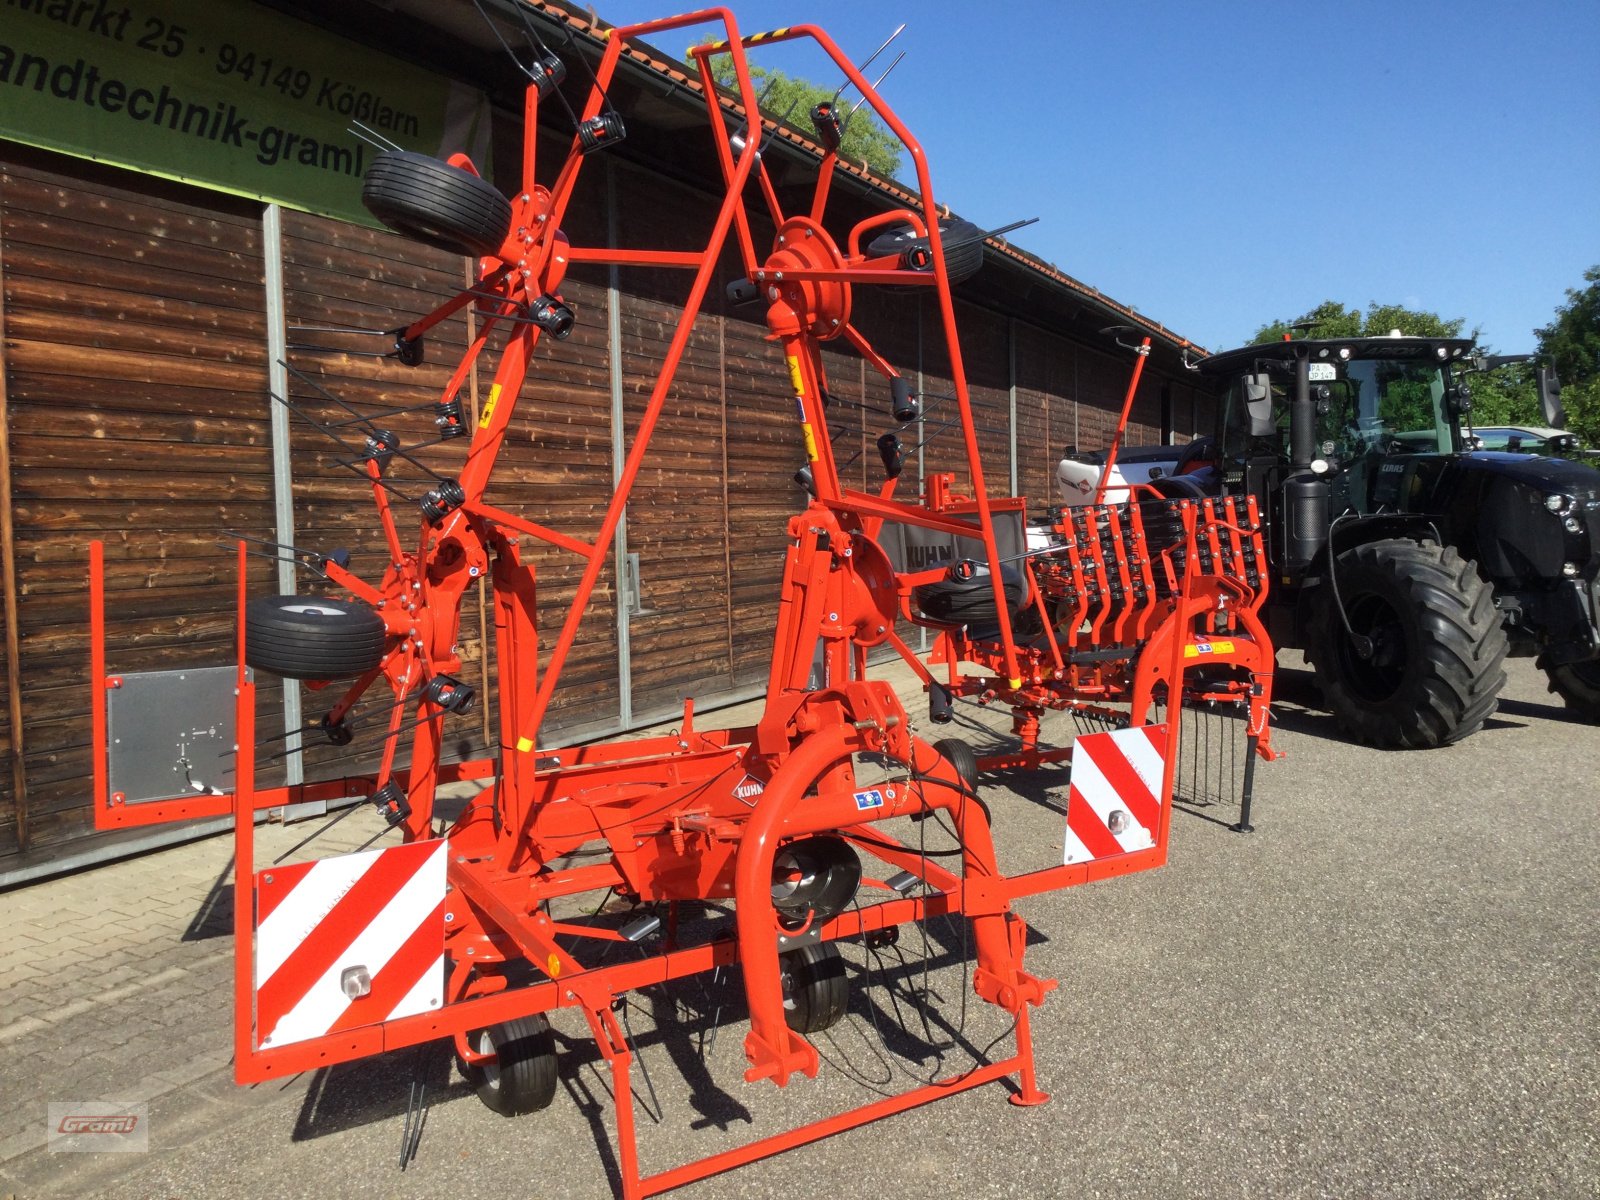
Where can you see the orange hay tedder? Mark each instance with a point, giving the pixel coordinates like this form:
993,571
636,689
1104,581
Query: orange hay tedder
469,930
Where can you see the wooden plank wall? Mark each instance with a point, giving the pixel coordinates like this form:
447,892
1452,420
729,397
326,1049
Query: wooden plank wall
555,466
677,516
136,376
338,275
13,821
135,370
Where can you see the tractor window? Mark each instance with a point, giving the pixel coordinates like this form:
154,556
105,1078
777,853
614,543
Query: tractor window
1394,407
1237,442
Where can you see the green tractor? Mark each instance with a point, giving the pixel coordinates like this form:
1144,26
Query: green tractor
1406,566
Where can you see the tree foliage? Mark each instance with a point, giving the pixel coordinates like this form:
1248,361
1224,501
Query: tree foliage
790,99
1571,343
1330,319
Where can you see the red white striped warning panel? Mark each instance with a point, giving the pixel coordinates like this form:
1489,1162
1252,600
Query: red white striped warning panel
349,941
1114,806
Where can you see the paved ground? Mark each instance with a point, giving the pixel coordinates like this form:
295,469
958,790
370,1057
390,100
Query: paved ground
1387,990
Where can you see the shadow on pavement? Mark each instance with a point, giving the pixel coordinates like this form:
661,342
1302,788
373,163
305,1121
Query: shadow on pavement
214,917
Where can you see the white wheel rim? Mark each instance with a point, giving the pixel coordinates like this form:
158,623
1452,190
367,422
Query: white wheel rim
312,610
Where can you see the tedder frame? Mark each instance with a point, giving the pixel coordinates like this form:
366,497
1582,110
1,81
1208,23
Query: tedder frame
461,932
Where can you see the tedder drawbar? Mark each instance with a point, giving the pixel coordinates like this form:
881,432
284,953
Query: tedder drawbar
459,933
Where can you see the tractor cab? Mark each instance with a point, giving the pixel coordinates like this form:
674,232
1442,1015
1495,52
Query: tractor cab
1381,506
1369,404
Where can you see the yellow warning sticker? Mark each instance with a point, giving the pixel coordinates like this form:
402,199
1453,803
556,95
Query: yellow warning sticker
1203,648
488,407
524,744
811,441
795,378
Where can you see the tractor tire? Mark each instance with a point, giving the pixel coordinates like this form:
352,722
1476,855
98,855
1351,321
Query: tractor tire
1579,685
521,1077
815,990
432,202
1438,650
960,756
962,242
311,637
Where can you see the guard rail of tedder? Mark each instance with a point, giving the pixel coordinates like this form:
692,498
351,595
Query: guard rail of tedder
468,930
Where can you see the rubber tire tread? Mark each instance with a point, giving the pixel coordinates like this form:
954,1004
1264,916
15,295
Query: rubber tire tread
527,1073
1578,684
962,757
969,601
818,986
345,641
960,262
1456,645
432,202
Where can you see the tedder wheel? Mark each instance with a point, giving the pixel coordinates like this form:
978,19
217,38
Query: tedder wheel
1579,685
960,756
309,637
962,242
815,990
432,202
1431,670
521,1077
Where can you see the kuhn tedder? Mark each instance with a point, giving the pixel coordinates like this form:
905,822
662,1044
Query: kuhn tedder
470,930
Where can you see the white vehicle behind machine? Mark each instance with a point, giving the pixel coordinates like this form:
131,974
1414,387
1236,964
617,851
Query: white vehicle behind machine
1078,474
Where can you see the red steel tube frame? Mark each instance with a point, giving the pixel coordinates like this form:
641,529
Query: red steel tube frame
829,600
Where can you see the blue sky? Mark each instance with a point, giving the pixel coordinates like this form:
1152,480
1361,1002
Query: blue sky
1220,165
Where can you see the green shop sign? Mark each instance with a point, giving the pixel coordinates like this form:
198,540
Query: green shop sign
227,95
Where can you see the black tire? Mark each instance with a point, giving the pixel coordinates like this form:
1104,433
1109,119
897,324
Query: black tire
971,601
521,1077
962,242
962,757
1579,685
1438,649
815,989
431,202
310,637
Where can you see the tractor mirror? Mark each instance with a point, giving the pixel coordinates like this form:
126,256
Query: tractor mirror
1550,398
1258,403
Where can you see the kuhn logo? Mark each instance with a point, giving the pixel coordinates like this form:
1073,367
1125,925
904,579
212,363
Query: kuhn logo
123,1124
749,788
921,557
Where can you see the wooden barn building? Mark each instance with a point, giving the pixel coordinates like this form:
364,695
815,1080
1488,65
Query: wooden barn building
182,241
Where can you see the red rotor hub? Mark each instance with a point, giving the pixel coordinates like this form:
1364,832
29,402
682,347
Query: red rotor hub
819,307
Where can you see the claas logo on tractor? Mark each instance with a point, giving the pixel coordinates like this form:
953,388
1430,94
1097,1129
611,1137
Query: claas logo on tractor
801,833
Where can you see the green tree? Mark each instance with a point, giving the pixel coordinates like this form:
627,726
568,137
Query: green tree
790,99
1330,319
1571,343
1507,395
